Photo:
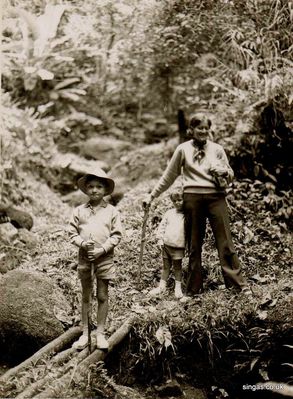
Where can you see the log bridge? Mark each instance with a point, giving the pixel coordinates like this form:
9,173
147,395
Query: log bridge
60,367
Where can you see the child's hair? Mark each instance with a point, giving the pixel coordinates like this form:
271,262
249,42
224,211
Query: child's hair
176,194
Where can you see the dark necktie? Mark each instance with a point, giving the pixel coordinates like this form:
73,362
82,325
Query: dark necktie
199,153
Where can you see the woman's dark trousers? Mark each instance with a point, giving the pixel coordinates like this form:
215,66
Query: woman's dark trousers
197,209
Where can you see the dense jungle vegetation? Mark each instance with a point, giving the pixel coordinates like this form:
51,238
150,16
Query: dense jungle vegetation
133,71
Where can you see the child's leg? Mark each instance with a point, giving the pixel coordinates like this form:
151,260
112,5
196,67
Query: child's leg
86,293
177,270
166,269
164,277
85,306
102,312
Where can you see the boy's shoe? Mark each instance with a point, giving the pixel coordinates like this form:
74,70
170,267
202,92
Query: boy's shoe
157,291
81,343
102,343
178,293
247,291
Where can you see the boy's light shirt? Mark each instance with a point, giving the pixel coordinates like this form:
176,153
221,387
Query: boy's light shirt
196,173
171,229
101,224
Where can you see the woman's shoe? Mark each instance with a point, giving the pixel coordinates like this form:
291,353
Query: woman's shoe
102,343
81,343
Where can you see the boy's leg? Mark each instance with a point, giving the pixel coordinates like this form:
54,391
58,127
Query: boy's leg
230,264
102,312
86,293
177,270
85,306
102,296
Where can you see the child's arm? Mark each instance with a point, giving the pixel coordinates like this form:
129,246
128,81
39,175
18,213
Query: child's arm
161,230
73,230
116,232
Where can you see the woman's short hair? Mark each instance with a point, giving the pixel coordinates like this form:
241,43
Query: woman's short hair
199,118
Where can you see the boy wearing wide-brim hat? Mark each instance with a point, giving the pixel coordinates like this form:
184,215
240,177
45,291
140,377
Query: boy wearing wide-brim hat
95,228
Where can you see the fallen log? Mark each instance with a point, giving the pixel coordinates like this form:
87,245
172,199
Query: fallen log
62,357
80,372
52,347
37,386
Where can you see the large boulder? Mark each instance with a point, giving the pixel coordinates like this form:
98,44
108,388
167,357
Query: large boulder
65,169
29,306
17,217
104,149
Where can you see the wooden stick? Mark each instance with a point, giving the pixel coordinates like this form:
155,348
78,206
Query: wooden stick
142,242
90,309
52,347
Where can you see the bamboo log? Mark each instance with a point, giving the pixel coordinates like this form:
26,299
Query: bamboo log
37,386
63,356
82,368
52,347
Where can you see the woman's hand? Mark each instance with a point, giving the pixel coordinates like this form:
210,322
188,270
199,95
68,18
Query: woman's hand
146,203
160,244
218,170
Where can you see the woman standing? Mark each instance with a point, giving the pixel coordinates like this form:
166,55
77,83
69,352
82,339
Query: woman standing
206,172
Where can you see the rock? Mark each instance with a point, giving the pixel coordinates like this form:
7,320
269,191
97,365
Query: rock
3,266
171,388
8,233
101,148
29,306
116,132
18,218
76,164
132,169
192,393
75,198
67,168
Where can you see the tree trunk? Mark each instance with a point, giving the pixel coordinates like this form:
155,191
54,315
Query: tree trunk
181,126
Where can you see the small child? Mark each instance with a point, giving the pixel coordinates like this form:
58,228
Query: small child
95,228
171,239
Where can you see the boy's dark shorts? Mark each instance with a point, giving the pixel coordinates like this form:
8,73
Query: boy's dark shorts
104,267
174,253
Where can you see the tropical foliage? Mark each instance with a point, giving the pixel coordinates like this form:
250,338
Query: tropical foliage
73,69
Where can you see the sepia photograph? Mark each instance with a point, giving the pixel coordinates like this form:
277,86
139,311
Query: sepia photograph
146,202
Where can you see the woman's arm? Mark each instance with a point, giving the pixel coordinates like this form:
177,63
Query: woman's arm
172,171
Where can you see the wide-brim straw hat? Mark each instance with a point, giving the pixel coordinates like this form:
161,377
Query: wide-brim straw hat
100,174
